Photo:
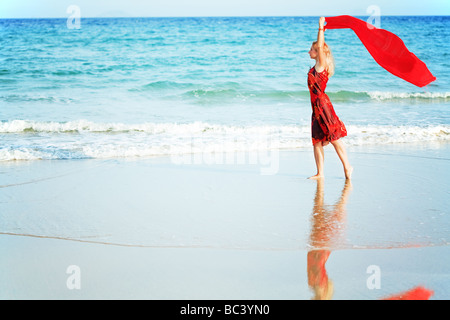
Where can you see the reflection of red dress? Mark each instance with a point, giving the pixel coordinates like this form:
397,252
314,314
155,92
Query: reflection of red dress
325,124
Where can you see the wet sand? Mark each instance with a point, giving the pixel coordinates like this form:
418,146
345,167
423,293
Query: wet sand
162,228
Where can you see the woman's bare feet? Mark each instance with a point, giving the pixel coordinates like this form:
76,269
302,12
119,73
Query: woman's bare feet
348,173
316,177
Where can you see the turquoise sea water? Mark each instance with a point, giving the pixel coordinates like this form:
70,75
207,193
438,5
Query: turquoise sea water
134,87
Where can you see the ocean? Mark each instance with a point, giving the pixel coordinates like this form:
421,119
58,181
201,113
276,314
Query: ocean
142,87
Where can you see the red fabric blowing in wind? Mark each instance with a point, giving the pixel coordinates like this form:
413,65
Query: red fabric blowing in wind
386,48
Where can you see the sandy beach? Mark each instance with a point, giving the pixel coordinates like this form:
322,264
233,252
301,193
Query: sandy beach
162,228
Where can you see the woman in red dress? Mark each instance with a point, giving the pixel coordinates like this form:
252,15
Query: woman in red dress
326,127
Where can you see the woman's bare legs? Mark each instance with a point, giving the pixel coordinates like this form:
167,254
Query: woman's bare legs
340,150
319,157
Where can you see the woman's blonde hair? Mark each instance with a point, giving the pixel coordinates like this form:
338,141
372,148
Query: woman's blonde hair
330,58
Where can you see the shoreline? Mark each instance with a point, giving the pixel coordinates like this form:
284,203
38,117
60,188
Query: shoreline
158,229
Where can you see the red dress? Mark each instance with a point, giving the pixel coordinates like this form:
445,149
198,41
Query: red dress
325,124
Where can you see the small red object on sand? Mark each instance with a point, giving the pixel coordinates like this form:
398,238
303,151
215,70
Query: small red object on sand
417,293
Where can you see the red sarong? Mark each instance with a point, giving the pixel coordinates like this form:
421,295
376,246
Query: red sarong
386,48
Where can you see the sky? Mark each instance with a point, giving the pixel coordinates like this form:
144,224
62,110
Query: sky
196,8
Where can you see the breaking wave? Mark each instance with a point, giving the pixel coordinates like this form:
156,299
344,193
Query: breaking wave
82,139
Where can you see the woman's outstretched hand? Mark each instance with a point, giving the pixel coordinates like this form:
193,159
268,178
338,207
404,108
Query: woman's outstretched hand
321,22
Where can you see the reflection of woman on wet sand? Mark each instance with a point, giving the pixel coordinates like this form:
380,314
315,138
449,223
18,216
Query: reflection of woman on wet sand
326,234
327,226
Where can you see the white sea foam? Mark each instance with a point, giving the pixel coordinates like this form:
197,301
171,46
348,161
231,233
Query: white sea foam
84,126
31,140
385,95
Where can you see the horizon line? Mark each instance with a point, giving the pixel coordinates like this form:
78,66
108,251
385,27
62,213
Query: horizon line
236,16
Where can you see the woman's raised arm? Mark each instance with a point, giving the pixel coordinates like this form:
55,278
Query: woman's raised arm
320,44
